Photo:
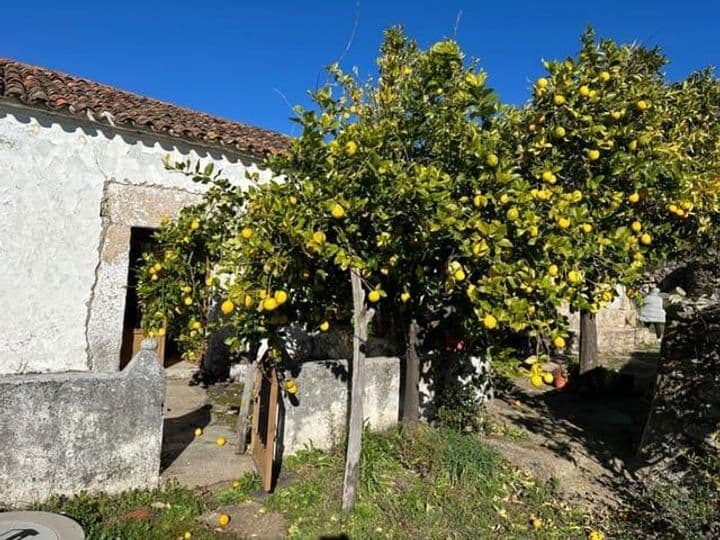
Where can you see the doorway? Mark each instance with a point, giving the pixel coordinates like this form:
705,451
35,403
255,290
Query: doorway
141,241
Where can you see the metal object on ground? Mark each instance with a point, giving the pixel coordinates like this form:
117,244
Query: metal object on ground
38,526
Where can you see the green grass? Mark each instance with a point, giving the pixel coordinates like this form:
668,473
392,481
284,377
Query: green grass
241,490
423,483
135,515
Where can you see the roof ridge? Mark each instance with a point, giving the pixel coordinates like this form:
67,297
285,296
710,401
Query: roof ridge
55,90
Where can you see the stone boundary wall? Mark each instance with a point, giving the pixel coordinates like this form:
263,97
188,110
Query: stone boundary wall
317,414
61,433
684,418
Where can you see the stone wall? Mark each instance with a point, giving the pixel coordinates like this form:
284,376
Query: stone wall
619,332
70,191
684,418
317,415
63,433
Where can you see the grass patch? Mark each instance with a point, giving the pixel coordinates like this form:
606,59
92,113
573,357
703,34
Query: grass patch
424,483
241,490
169,512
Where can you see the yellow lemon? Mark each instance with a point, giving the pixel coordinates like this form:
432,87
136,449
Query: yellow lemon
480,249
636,226
479,201
351,148
374,296
512,214
553,270
492,161
633,198
548,377
596,535
187,301
196,325
157,266
405,296
269,304
246,233
536,523
584,91
291,386
280,297
559,99
195,224
687,205
536,380
559,342
324,326
337,211
607,296
586,227
574,276
227,307
187,535
154,277
248,301
632,145
459,275
542,82
318,237
198,432
549,177
646,239
161,331
504,198
563,222
489,321
593,154
642,105
604,76
292,200
559,131
223,520
220,441
616,115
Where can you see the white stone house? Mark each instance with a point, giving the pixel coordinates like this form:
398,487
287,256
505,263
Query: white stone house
82,184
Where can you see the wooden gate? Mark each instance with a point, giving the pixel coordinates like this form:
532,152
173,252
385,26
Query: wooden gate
264,426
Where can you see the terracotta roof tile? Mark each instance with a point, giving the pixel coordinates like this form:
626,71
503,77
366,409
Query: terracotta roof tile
55,91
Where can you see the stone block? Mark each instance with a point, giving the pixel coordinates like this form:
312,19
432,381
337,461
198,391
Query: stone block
66,432
317,414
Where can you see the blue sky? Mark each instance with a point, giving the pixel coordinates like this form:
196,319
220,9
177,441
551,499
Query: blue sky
243,60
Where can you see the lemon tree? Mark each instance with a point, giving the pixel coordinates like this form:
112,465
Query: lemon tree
600,140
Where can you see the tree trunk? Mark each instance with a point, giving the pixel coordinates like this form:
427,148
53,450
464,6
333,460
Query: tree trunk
411,393
588,342
362,317
245,404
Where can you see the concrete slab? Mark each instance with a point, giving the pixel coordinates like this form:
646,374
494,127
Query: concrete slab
197,461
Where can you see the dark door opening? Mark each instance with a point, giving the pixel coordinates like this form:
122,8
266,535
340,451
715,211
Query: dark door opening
141,241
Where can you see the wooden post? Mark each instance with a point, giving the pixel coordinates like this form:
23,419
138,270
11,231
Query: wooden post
245,403
362,318
411,393
588,342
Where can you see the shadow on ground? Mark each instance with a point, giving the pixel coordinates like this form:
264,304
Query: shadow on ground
588,433
178,433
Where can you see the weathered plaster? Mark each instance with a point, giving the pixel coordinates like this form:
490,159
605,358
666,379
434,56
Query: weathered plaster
66,432
63,266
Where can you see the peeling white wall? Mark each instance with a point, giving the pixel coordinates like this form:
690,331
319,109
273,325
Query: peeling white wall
53,174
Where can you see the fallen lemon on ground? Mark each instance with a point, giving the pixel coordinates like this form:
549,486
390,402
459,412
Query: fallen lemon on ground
536,523
492,160
223,520
318,237
633,198
198,432
220,441
636,226
351,148
187,535
559,342
195,224
646,239
536,380
324,326
246,233
405,296
593,155
553,270
596,535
